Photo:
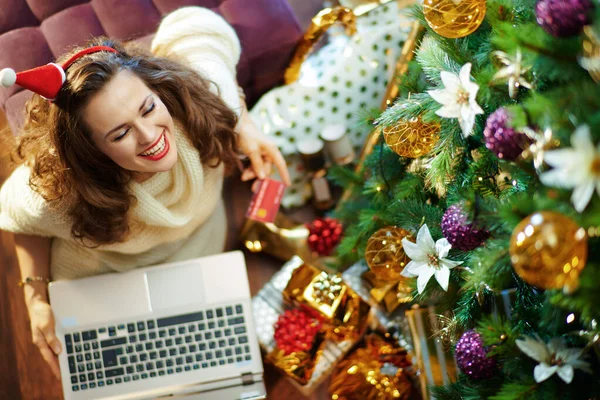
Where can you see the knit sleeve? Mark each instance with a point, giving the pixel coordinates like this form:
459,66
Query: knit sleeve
207,43
23,210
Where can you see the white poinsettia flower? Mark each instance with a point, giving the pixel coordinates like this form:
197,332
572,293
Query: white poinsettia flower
458,98
577,167
428,258
553,357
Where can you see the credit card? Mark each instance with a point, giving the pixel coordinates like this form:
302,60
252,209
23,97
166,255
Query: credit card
266,201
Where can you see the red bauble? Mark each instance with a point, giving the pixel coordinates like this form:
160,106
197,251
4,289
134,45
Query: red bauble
325,234
296,330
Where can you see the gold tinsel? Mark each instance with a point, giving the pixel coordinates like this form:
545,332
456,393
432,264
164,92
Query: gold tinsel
412,138
549,250
454,19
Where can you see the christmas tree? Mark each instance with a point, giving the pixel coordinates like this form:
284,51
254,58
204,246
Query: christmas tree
488,165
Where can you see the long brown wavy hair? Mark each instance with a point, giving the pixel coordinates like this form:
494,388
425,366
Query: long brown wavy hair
68,171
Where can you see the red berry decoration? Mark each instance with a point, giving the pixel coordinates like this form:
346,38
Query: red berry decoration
295,331
325,234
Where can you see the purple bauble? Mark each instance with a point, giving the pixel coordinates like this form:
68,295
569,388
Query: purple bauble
501,139
563,18
459,232
471,356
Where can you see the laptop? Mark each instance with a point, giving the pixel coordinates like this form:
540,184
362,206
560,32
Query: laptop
178,331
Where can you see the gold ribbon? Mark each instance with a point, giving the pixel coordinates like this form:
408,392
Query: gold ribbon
319,25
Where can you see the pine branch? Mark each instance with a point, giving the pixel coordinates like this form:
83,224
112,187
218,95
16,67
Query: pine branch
514,391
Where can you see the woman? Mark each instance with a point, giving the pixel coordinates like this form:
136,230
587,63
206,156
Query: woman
124,167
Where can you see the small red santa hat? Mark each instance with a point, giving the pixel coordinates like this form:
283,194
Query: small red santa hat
47,79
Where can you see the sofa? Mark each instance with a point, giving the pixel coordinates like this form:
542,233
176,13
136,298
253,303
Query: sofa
35,32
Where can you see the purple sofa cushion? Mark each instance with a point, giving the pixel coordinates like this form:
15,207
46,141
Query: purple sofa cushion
35,32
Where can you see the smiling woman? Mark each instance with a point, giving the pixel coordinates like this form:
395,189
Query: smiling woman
104,126
142,142
124,166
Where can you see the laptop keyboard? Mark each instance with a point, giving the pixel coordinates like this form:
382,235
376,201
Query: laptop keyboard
138,350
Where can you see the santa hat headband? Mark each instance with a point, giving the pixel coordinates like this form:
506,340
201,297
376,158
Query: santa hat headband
47,79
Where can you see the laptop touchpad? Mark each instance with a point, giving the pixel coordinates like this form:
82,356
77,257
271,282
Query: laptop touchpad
173,287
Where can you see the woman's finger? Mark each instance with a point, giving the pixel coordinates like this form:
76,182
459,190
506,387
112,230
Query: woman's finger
248,174
279,162
268,167
257,163
51,339
47,354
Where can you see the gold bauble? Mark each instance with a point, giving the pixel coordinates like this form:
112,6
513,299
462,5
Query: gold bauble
385,255
549,250
412,138
454,18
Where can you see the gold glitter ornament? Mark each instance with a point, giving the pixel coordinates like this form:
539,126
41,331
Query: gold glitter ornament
454,18
549,250
385,255
412,138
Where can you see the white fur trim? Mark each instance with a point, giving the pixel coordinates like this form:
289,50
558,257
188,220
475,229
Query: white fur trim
61,70
8,77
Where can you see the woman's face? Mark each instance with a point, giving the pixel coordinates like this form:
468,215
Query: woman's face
132,126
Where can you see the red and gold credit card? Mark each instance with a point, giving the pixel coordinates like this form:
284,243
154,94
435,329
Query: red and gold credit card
266,201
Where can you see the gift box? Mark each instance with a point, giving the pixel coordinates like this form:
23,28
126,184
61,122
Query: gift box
384,295
343,314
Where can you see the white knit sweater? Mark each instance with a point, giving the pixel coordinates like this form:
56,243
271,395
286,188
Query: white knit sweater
179,214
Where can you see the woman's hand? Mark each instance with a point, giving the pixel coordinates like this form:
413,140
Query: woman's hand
43,333
263,154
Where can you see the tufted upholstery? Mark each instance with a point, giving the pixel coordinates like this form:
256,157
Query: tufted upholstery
35,32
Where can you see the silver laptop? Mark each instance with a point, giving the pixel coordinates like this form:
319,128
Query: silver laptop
180,330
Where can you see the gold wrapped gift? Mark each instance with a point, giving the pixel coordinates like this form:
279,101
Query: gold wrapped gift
282,239
377,371
268,305
389,293
345,314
